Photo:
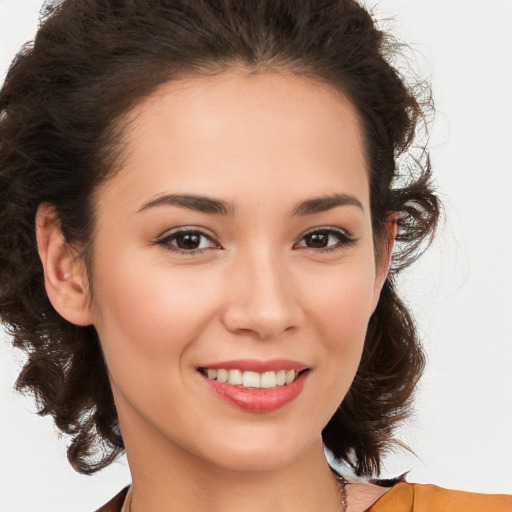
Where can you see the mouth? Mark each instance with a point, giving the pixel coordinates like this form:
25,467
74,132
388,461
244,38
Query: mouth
250,379
256,386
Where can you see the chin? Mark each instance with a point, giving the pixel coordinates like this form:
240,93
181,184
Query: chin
259,454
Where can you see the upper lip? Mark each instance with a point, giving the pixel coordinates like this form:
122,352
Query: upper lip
257,365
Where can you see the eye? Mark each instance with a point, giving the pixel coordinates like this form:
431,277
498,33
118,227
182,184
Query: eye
326,239
187,241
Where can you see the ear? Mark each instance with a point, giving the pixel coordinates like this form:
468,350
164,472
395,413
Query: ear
384,257
64,273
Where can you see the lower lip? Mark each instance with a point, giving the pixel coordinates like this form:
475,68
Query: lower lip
258,400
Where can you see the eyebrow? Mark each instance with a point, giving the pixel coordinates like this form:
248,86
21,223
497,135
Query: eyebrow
210,205
322,204
192,202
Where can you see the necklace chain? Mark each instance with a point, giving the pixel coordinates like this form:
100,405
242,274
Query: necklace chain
340,481
342,487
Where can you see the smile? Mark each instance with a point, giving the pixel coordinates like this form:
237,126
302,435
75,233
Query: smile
251,379
256,386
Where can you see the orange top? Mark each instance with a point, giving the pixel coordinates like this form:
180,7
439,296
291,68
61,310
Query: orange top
405,497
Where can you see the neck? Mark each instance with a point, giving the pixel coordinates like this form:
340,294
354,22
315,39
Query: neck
166,477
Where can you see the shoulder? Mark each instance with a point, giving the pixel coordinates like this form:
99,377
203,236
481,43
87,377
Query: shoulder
406,497
116,503
362,495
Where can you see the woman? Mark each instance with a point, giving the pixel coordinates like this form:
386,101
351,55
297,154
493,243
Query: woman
215,199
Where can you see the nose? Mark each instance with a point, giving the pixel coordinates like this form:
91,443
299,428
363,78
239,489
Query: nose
262,299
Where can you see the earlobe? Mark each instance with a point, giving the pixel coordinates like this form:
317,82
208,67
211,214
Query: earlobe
64,276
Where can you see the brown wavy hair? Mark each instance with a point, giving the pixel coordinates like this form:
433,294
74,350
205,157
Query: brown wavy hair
61,109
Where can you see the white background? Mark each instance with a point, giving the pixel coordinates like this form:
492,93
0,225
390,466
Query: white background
461,291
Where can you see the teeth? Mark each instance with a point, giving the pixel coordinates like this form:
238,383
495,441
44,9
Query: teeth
290,376
222,375
268,380
247,379
251,380
235,377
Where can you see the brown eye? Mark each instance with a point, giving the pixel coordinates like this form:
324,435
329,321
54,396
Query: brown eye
326,239
187,242
317,240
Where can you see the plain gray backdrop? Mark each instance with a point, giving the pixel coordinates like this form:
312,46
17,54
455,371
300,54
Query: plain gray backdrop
461,291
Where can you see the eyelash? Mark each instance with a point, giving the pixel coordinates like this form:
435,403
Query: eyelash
166,240
344,238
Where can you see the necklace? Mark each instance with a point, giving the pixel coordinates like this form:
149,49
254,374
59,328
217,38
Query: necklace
342,488
340,482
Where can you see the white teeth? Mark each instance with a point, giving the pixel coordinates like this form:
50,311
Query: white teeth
248,379
235,377
268,380
290,376
222,375
251,380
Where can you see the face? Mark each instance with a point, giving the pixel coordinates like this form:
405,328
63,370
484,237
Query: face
235,243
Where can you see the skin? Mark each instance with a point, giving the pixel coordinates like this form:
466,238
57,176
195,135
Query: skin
257,289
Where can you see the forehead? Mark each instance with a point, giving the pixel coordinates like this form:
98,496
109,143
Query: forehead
210,134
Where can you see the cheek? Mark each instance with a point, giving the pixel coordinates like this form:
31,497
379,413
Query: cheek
152,312
340,306
342,302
